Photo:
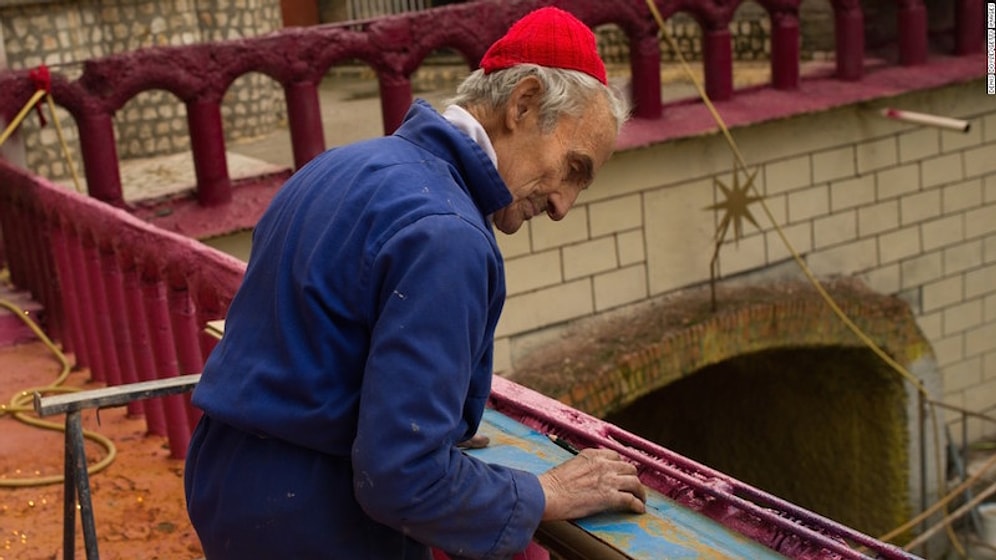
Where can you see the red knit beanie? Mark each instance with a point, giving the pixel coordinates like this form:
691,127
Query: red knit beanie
547,37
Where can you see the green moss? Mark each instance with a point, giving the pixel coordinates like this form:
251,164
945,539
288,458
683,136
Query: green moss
821,427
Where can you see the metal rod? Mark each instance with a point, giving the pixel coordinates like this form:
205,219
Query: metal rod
923,464
114,396
74,443
922,539
68,502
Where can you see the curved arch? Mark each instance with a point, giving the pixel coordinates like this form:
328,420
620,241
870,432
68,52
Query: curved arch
681,335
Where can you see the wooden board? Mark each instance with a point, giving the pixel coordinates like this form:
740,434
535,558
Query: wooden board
667,531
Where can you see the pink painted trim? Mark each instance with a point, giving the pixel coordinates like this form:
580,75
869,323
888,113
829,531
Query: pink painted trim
304,118
73,337
816,93
745,509
141,347
161,332
183,317
90,348
120,325
207,141
101,314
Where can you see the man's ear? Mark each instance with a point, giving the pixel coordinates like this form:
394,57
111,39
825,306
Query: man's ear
523,103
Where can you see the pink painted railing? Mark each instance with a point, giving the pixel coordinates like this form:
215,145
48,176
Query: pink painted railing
128,300
395,46
131,301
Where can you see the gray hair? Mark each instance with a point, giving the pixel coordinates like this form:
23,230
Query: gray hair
565,92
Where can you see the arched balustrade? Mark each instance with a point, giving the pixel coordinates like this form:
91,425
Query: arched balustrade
395,46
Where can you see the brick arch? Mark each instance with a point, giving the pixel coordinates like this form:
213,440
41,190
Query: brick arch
607,366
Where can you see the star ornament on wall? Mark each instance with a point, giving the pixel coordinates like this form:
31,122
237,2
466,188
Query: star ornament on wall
735,206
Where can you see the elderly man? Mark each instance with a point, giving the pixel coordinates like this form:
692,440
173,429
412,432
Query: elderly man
357,354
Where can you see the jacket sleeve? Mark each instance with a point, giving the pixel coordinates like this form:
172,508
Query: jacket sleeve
437,282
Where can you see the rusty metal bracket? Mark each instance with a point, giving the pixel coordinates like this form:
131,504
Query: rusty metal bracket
77,479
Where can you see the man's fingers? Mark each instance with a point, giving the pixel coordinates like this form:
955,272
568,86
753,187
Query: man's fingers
477,441
636,504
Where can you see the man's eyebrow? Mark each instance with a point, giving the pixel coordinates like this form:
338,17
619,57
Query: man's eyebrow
587,166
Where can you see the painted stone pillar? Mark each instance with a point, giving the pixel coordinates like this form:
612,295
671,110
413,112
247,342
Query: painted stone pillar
968,27
13,149
849,34
717,52
912,33
100,157
304,118
645,63
784,50
395,99
207,141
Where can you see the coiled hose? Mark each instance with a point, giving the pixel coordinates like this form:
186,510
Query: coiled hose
20,408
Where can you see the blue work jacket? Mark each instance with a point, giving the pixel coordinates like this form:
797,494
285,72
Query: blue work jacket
362,337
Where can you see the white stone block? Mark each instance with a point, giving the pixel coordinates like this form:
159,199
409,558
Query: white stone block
848,193
942,293
833,164
616,214
808,203
920,207
549,306
877,218
590,257
919,144
631,248
921,269
620,287
679,235
900,244
943,232
897,181
533,271
961,257
547,233
962,317
877,154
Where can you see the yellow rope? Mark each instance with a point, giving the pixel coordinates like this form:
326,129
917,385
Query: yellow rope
854,328
20,408
62,143
38,95
20,116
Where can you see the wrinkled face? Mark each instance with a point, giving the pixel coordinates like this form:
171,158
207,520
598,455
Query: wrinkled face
547,171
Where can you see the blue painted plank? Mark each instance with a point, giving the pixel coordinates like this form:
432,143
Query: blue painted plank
668,529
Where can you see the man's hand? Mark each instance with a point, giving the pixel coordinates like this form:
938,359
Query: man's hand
477,441
596,480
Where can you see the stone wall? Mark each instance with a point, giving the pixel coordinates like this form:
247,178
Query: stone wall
63,34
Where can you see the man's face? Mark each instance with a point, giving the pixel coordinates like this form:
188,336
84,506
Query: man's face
546,172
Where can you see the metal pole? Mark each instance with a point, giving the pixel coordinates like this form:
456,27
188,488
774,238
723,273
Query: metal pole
68,501
923,463
74,444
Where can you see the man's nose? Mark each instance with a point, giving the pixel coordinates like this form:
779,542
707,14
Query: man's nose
560,202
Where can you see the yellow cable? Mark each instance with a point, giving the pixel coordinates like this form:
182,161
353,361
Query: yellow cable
854,328
20,116
62,143
20,408
58,130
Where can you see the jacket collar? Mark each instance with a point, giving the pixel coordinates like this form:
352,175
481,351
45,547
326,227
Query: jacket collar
426,128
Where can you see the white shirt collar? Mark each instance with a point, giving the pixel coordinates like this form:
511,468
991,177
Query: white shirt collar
464,121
